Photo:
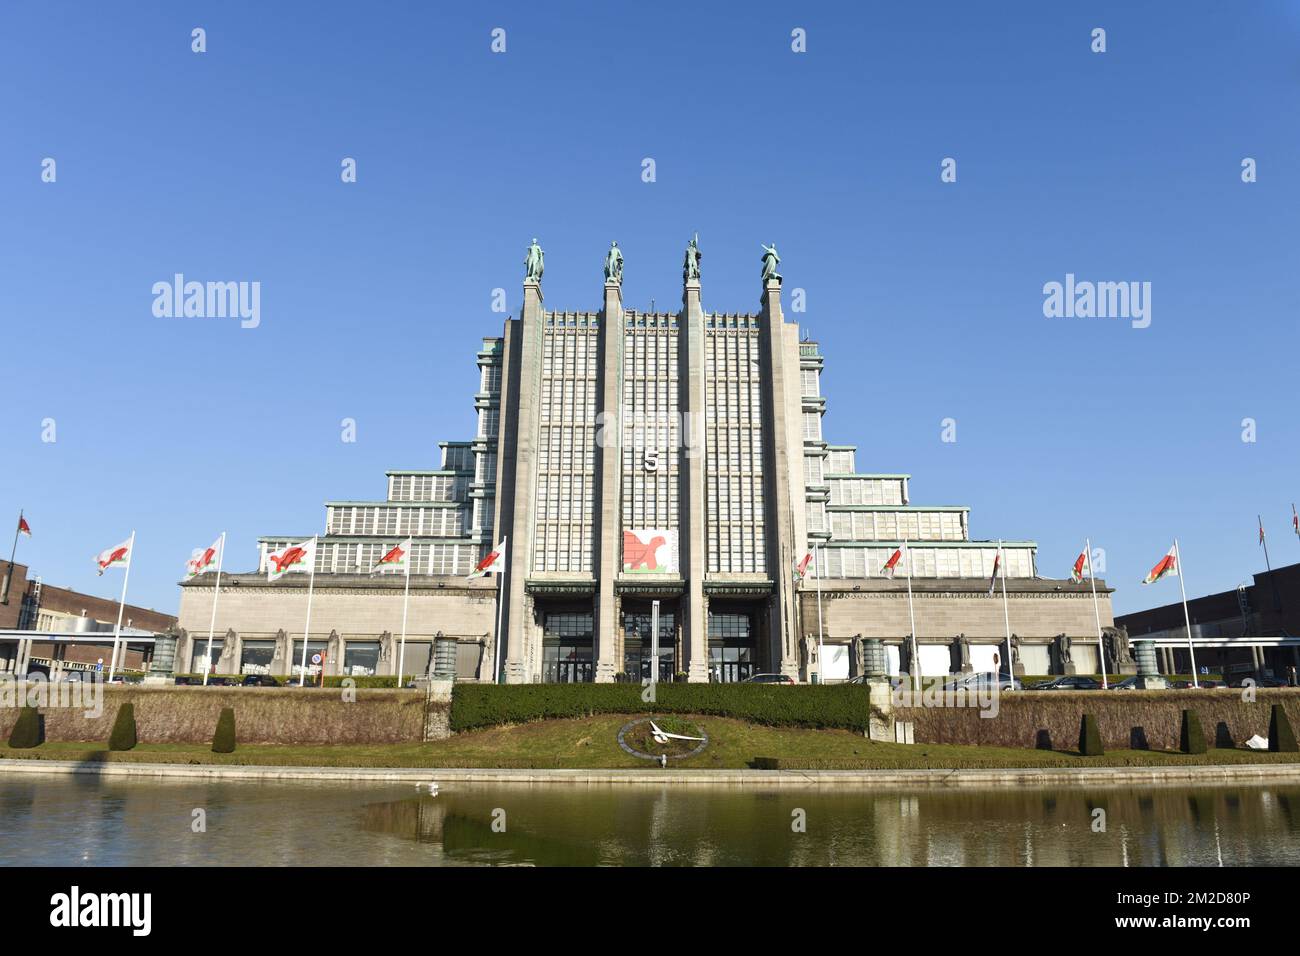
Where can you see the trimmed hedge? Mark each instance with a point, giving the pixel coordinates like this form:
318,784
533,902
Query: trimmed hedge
123,736
1281,737
1089,737
26,732
1191,738
223,741
843,706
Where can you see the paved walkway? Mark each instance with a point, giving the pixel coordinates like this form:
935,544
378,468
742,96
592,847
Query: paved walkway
1054,776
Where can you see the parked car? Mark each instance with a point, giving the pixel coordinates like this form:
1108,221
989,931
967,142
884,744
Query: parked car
984,679
259,680
1240,680
1207,683
1128,683
769,679
1067,682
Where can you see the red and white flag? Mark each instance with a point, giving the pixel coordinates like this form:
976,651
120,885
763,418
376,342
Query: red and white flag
997,563
888,569
1261,529
203,560
396,559
114,557
1076,575
801,567
290,559
494,563
24,527
1168,565
1295,521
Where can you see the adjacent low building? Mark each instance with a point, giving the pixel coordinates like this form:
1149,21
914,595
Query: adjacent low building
1252,629
640,462
55,630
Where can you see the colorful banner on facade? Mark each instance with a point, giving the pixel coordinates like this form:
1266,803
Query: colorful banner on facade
652,551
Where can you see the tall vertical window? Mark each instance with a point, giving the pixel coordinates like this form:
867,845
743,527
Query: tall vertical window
734,447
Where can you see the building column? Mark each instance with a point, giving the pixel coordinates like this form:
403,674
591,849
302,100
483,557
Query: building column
691,539
782,451
609,467
517,450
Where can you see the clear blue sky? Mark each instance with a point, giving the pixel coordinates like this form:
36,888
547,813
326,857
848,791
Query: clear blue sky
927,296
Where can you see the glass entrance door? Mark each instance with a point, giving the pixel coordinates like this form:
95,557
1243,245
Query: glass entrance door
732,655
637,645
566,648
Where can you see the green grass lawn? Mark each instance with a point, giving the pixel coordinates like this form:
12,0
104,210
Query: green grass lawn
591,743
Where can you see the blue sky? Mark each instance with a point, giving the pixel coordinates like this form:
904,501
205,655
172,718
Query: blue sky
926,296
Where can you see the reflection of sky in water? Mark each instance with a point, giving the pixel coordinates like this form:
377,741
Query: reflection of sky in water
71,821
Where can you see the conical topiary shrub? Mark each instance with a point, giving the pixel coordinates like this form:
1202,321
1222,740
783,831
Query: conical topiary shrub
123,735
1281,737
1191,739
27,730
1090,737
223,741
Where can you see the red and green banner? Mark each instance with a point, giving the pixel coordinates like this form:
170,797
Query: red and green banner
24,527
396,559
493,563
1168,565
1076,575
801,567
114,557
888,569
203,560
290,559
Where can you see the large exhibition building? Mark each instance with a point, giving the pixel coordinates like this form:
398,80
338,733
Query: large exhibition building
628,457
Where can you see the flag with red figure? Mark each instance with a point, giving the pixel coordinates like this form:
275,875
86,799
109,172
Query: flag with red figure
203,560
113,557
494,563
1168,565
396,559
300,557
892,563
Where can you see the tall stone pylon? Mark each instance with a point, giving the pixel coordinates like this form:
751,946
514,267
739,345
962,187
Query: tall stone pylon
609,536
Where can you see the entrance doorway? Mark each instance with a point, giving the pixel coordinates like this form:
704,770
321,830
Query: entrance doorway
567,647
637,643
733,654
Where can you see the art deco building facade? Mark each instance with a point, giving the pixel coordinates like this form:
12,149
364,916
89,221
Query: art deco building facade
630,457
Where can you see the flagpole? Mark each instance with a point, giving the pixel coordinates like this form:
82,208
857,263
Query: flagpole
1006,619
1263,539
9,571
212,621
306,634
496,644
1191,651
821,644
121,606
406,600
911,613
1096,613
